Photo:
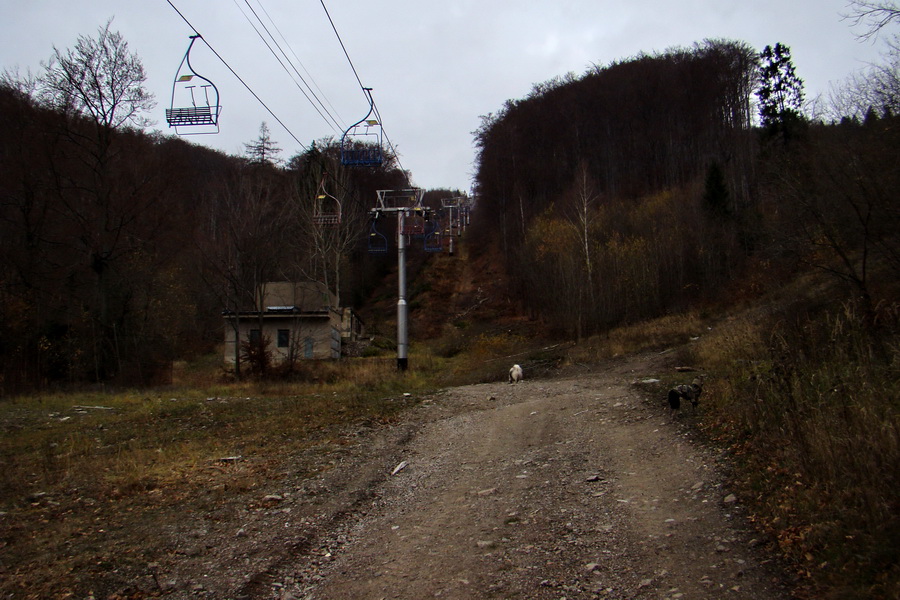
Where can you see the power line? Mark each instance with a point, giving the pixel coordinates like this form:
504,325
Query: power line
249,89
368,95
344,48
264,105
283,66
396,155
300,62
272,51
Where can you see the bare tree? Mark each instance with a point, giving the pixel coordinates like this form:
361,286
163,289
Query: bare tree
328,237
583,212
874,15
98,87
839,206
253,240
26,85
99,79
875,88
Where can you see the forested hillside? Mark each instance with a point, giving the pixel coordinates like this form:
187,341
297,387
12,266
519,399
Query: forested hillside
636,189
692,184
121,250
648,184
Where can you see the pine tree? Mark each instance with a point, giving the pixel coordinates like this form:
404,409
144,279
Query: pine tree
263,150
715,193
780,93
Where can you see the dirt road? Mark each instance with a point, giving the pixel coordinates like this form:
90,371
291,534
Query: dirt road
562,488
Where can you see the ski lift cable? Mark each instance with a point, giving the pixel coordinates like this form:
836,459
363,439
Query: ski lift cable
396,156
365,93
244,83
277,58
283,66
338,119
344,48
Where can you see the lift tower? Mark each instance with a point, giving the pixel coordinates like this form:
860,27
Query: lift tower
406,204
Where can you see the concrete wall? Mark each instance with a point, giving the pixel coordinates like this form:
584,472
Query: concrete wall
306,338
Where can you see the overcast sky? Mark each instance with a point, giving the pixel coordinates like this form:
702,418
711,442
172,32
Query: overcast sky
434,67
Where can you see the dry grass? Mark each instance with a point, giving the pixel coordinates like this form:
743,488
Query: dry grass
808,399
665,332
60,441
54,442
805,398
69,457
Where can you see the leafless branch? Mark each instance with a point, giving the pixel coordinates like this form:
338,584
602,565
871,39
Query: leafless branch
874,15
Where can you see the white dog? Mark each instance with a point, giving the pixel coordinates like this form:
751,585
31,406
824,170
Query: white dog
516,375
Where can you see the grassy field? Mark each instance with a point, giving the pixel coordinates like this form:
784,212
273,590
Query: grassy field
104,443
79,466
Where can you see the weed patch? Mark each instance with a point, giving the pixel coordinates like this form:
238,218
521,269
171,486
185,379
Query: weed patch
808,402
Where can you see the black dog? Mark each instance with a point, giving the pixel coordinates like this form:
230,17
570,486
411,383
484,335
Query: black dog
688,392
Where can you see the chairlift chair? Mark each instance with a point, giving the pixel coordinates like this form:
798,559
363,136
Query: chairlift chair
194,107
361,142
378,242
400,199
433,241
327,210
414,223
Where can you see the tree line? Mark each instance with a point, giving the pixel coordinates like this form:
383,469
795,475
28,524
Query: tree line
650,183
121,249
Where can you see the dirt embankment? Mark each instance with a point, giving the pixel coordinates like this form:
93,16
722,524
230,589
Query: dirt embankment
567,488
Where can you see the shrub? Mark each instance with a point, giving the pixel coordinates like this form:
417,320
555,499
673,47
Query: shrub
257,355
811,404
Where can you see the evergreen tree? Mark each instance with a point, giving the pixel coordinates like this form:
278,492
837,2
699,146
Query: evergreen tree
715,193
780,93
263,150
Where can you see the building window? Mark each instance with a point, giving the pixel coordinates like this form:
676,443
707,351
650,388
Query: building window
284,338
308,348
255,336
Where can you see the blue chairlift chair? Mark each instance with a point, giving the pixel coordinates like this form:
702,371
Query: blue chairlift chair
361,142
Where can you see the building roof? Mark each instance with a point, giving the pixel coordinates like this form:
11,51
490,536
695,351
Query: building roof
280,312
307,295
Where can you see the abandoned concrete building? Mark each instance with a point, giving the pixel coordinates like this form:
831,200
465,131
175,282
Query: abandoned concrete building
296,320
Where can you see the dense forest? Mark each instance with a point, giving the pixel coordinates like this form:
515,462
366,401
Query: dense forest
121,249
651,183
